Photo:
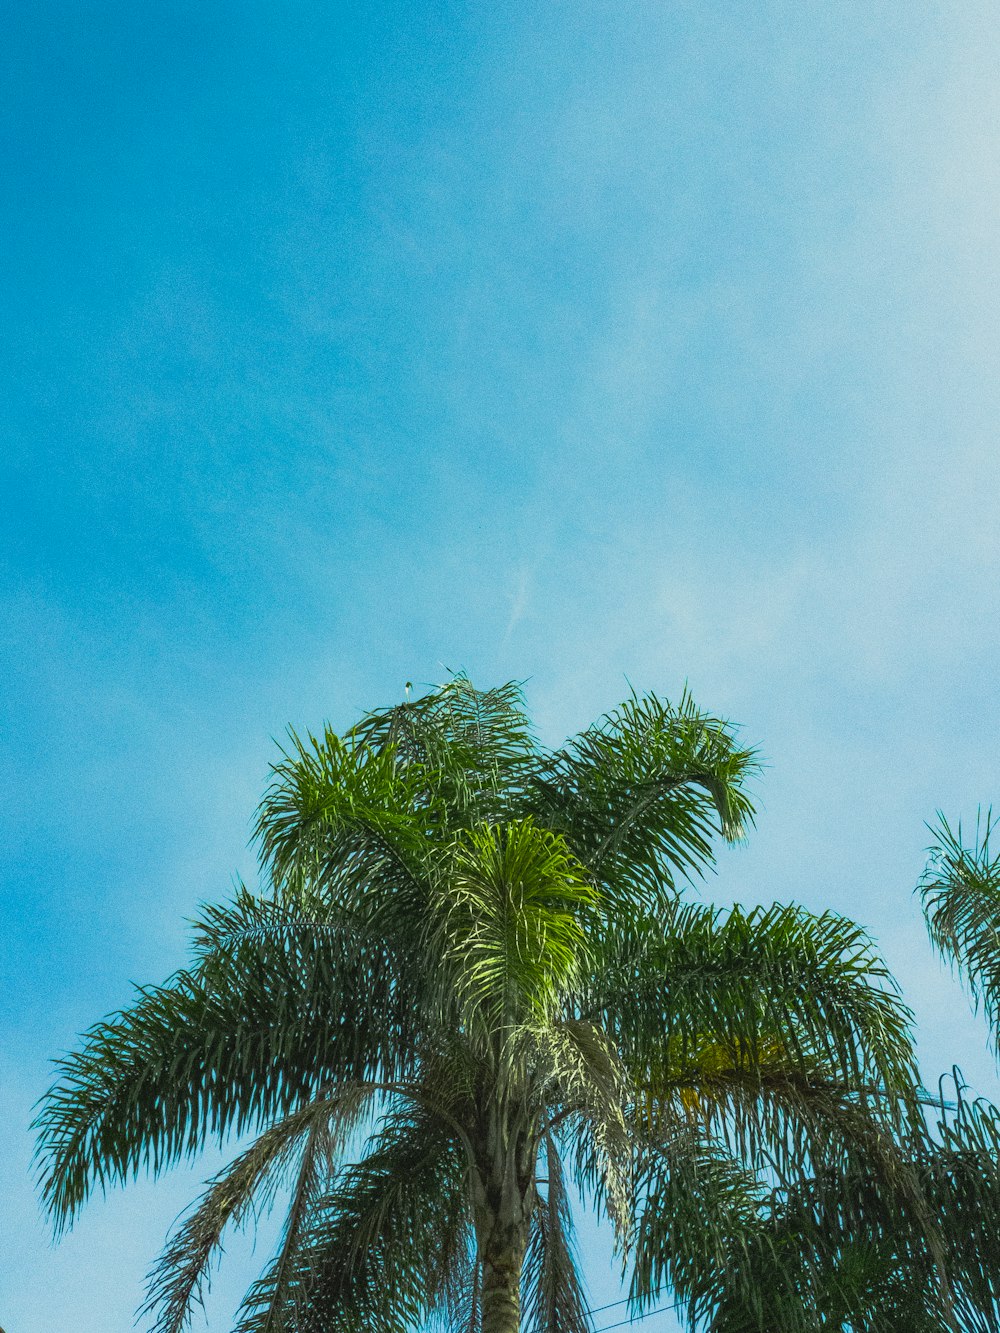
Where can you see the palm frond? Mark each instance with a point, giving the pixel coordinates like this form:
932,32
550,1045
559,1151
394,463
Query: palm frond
245,1188
696,1202
335,806
745,1258
960,1171
960,891
244,1038
479,743
382,1249
554,1299
587,1093
847,1248
640,795
748,985
510,906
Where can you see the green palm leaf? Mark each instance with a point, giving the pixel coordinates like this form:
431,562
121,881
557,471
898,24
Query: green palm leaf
382,1247
314,1135
270,1014
510,910
960,890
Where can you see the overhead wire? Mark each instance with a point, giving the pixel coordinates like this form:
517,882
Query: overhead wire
634,1319
610,1306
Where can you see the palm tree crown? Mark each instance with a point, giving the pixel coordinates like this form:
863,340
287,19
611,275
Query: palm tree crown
960,890
470,986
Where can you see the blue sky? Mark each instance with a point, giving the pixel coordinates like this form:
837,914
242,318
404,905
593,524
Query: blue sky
343,345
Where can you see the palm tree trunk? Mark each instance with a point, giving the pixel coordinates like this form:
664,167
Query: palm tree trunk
503,1188
502,1258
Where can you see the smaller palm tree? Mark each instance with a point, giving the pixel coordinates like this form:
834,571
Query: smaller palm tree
909,1251
841,1250
960,890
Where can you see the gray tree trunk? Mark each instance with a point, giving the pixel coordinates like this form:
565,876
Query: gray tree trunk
504,1198
502,1257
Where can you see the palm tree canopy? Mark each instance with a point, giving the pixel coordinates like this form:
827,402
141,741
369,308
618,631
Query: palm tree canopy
470,986
960,890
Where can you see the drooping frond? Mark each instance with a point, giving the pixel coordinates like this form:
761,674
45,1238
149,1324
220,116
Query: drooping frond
714,1182
694,1201
553,1296
726,1244
247,1036
313,1135
369,973
960,890
382,1249
640,795
842,1249
960,1169
747,987
587,1092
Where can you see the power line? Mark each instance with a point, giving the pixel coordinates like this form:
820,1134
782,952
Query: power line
664,1309
597,1309
634,1319
613,1305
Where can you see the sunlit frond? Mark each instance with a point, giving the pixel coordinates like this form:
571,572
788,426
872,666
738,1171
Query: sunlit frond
588,1091
339,813
510,909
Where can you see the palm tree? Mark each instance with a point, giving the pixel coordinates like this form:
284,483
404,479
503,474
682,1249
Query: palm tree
850,1249
470,987
960,890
